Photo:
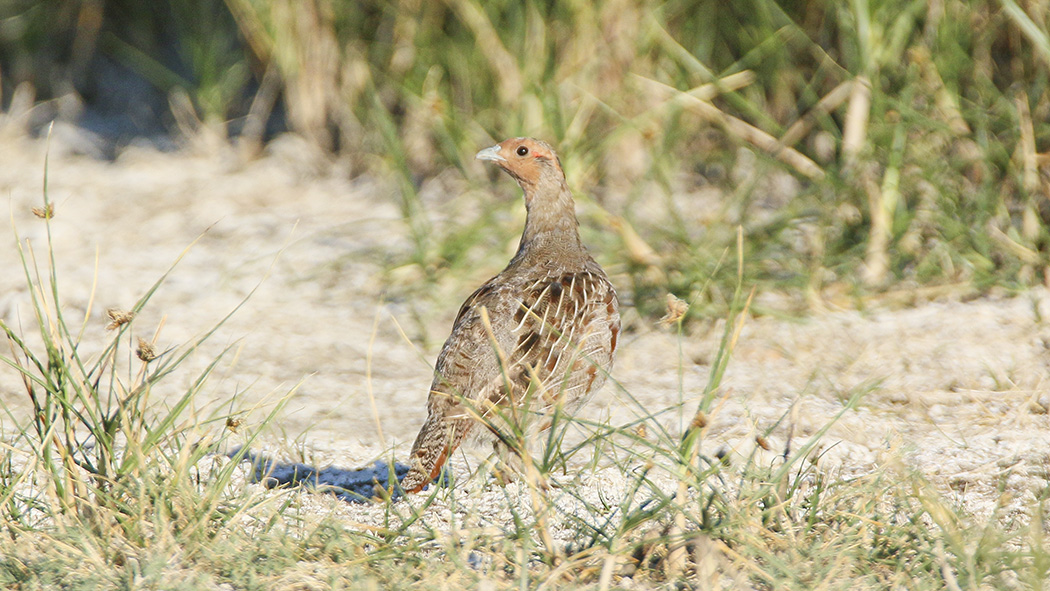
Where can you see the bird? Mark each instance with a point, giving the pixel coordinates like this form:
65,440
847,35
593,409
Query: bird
543,331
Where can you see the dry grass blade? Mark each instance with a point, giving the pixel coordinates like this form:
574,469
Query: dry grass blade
252,28
612,559
947,100
827,104
855,128
877,259
746,132
368,378
251,140
1026,146
711,90
1030,179
488,39
1036,34
1019,250
638,250
883,200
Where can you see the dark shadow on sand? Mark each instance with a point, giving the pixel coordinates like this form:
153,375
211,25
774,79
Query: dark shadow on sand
361,485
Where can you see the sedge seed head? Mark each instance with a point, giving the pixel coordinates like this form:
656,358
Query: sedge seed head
45,213
699,420
676,310
145,350
118,318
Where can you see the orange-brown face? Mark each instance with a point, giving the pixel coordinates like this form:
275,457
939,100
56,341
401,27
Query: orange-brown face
524,158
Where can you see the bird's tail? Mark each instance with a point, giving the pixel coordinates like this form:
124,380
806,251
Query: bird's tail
437,440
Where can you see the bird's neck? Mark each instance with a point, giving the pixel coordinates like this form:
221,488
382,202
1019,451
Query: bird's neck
550,222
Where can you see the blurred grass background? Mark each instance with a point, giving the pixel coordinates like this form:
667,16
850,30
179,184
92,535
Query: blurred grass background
892,149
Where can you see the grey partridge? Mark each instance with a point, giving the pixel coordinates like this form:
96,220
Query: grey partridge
544,330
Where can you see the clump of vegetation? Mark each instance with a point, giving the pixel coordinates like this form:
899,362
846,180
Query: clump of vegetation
93,458
862,145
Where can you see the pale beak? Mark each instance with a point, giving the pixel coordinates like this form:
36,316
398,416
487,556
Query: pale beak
491,154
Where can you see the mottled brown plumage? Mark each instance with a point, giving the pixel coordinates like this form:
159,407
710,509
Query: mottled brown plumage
544,330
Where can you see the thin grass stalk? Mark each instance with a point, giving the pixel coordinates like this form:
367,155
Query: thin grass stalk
690,447
825,106
368,379
855,127
732,331
882,201
1035,33
409,202
1026,149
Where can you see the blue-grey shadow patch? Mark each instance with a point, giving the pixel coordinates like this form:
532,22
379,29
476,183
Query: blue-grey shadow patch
360,485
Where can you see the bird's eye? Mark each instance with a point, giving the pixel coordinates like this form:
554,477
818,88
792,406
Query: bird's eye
522,150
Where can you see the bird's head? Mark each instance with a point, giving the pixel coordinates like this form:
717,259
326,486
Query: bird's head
530,161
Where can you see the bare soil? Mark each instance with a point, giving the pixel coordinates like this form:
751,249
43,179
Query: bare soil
958,390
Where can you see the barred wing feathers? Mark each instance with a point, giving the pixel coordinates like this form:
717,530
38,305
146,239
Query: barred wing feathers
558,331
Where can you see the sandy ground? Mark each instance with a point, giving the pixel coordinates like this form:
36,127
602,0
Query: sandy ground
959,390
